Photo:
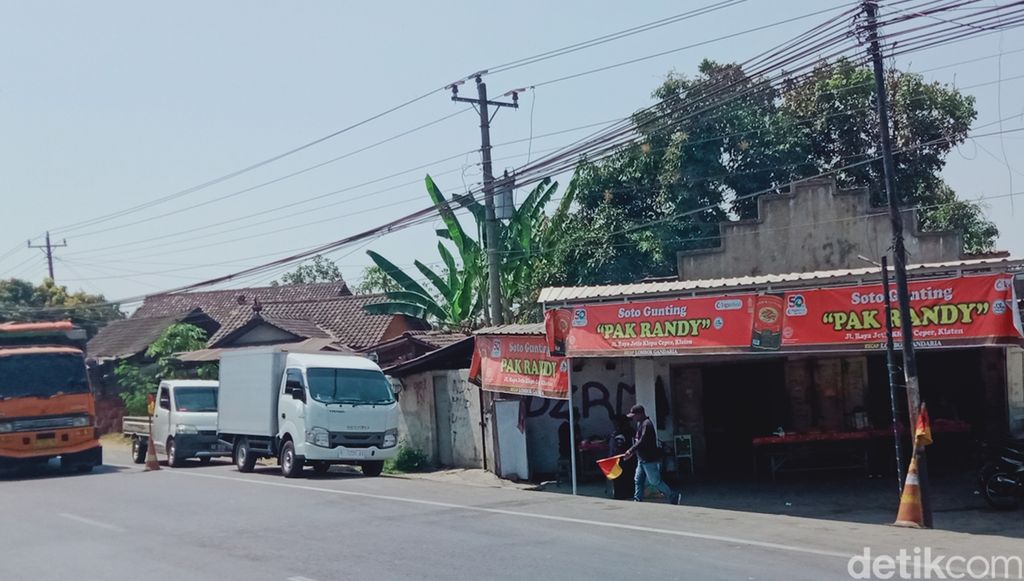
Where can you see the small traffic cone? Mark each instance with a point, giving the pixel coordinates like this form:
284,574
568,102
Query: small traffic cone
152,463
911,513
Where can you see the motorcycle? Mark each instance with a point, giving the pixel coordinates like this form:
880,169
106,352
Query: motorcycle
1001,477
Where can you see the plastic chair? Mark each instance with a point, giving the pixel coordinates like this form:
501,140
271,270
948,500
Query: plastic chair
684,450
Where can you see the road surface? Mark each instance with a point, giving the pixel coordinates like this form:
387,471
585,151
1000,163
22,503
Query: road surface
213,523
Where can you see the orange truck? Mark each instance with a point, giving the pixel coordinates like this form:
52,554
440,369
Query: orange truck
47,408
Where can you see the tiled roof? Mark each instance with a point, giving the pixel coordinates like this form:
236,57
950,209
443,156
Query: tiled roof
219,304
245,317
436,339
341,317
556,295
129,336
527,329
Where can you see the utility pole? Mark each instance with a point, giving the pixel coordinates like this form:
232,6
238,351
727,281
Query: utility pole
899,251
48,250
890,360
482,104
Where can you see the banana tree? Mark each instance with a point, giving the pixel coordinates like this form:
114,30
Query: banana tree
455,300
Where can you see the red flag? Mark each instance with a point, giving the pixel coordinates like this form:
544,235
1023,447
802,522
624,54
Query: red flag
611,467
923,433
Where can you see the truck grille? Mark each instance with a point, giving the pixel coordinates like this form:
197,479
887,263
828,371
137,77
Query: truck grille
357,439
43,423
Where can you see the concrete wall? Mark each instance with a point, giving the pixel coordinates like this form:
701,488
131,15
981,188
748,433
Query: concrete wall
813,227
453,439
601,389
1015,389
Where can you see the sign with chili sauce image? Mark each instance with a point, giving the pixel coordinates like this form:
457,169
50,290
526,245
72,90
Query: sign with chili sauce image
970,310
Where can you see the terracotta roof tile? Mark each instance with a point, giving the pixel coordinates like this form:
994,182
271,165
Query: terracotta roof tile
219,304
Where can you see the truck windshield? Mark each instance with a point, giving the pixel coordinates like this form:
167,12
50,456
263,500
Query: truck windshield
196,399
353,386
42,375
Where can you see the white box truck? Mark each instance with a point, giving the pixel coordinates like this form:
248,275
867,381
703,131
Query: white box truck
306,408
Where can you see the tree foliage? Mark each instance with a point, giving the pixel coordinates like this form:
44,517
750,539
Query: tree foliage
375,281
319,269
20,300
141,378
703,157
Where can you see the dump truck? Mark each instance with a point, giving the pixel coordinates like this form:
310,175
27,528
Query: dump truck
47,408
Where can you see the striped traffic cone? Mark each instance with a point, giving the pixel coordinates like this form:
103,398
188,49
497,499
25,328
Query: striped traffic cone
152,463
911,513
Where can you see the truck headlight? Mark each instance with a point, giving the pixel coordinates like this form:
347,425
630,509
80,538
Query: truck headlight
319,437
6,427
186,429
81,421
390,438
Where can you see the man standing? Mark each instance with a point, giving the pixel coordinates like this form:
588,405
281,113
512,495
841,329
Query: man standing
648,470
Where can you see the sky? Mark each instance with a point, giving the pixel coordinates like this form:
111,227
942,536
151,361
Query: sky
107,105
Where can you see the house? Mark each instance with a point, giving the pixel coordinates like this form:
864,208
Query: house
326,315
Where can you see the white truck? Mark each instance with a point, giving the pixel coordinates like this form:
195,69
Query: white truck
306,408
184,423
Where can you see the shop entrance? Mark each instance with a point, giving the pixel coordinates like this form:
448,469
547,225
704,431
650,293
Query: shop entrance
741,401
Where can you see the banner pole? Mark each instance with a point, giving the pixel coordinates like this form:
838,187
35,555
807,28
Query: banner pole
572,428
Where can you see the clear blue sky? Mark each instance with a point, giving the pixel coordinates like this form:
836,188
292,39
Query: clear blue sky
104,105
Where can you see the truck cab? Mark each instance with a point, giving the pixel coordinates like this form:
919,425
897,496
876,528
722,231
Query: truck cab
185,421
47,408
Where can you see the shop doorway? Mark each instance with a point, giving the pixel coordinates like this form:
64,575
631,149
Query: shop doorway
741,401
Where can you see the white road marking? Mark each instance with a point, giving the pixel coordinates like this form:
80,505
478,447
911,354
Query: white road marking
91,522
548,517
299,579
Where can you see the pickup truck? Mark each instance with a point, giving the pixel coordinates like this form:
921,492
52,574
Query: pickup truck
184,424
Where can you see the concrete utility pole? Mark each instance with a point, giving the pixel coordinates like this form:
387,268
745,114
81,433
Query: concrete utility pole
48,250
899,251
491,223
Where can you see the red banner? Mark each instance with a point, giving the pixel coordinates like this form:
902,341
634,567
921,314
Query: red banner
654,327
970,310
973,311
519,364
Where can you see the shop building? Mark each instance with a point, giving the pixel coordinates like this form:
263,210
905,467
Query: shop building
733,395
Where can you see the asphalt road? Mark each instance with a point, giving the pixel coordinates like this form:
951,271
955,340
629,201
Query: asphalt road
212,523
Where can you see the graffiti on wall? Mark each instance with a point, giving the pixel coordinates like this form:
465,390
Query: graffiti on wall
592,399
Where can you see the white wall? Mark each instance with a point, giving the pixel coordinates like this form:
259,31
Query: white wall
598,392
418,425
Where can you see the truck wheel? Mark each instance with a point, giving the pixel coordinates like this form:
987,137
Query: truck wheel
205,460
321,467
291,465
173,460
372,468
245,460
138,451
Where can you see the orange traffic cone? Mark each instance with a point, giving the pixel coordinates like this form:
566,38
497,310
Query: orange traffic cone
911,513
152,463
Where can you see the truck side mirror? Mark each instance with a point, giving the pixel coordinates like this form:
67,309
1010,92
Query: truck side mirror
396,385
295,389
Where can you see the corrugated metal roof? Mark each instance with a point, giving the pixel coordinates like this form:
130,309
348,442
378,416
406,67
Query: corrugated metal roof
527,329
558,295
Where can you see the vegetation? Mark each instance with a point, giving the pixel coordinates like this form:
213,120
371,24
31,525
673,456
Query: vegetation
20,300
375,281
319,269
407,459
699,162
138,380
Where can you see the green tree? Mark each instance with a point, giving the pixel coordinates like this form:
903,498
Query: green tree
20,300
375,281
319,269
139,379
705,155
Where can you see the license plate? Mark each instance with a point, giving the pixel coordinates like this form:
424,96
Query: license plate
354,453
48,443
